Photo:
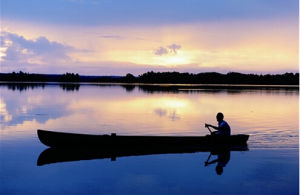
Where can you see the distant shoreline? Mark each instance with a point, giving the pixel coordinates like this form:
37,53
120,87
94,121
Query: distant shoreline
208,79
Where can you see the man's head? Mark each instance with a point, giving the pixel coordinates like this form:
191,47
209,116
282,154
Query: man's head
219,169
220,116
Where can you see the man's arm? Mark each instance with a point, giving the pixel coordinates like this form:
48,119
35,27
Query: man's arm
211,162
209,125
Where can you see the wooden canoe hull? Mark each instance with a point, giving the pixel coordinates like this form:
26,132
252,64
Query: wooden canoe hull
59,139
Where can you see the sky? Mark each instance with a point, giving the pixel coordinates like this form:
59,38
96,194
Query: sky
116,37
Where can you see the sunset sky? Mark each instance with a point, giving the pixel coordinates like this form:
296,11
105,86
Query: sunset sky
115,37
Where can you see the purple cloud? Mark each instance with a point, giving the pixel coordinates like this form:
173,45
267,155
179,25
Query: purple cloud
174,47
161,51
171,49
20,50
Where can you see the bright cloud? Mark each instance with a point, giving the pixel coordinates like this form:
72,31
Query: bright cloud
17,49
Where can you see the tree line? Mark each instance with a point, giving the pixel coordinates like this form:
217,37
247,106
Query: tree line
29,77
161,77
218,78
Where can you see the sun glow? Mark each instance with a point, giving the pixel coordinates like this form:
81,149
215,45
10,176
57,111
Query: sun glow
172,60
136,48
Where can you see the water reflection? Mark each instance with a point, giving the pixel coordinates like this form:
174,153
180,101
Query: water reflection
70,87
22,86
232,89
23,111
107,108
223,157
60,155
128,88
271,117
165,88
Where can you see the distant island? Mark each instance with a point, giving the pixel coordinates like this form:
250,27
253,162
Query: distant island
160,77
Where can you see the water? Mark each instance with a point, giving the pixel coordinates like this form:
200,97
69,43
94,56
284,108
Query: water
271,118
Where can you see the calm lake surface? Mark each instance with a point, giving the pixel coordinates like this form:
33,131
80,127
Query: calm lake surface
269,116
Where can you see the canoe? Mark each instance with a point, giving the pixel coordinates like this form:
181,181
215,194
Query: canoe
63,140
69,154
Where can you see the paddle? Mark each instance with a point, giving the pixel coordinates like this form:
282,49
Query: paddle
208,128
206,162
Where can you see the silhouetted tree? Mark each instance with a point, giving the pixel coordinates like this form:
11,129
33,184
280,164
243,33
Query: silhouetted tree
69,77
129,78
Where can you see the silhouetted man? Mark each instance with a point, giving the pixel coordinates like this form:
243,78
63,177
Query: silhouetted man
223,128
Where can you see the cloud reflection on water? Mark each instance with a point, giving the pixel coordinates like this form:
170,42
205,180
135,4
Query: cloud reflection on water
267,115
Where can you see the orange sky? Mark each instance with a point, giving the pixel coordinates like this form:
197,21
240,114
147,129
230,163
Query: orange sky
264,45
